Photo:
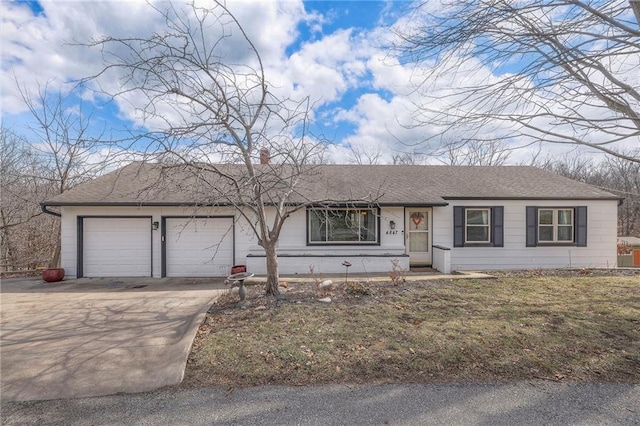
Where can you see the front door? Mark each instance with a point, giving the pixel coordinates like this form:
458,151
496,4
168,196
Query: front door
418,236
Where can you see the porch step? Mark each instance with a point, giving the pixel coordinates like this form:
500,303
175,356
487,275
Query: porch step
422,269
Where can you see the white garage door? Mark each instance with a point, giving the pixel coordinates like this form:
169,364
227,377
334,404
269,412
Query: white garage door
116,247
199,247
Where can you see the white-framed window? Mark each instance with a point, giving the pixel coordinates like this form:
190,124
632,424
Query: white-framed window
477,225
555,225
342,226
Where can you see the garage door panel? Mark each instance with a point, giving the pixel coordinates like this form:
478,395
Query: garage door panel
199,247
117,247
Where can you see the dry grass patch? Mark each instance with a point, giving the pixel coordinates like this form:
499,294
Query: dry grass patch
559,328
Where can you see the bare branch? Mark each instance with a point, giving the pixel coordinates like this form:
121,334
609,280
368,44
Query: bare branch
563,72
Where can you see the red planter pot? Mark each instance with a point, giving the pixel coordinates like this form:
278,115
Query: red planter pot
52,275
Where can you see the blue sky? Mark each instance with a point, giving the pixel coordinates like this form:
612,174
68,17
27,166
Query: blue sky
359,16
37,38
333,52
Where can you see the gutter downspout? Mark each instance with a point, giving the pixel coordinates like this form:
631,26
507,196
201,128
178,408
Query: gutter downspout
43,206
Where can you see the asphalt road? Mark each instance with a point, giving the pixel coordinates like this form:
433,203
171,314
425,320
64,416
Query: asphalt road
538,403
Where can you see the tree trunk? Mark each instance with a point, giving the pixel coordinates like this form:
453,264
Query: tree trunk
5,251
6,261
272,270
55,258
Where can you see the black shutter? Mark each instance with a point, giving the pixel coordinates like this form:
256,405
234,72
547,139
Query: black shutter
497,226
458,226
581,226
532,225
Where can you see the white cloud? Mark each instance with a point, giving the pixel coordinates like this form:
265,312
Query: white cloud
325,68
45,47
42,49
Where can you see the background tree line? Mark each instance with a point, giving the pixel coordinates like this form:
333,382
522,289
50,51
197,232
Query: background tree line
63,149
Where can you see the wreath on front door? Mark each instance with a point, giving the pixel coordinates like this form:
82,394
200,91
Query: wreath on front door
417,218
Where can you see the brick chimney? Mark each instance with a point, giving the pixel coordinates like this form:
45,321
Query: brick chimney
264,156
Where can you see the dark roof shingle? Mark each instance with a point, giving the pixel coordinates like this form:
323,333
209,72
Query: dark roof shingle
155,184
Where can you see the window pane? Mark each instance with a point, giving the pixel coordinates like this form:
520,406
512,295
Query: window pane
565,233
564,217
419,242
545,217
478,233
343,225
545,233
368,225
317,224
477,217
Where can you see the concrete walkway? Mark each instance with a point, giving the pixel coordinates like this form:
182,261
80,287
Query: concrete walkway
92,337
410,276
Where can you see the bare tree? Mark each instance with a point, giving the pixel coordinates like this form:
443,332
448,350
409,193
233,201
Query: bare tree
407,158
576,167
635,5
364,155
562,72
474,153
624,180
206,100
66,142
27,237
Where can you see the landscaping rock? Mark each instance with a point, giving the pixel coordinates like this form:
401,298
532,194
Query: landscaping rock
325,300
243,305
326,285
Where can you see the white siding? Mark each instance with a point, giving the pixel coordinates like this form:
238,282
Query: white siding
297,256
68,241
442,259
599,252
379,264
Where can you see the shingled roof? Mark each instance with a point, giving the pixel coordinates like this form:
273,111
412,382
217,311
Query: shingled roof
156,184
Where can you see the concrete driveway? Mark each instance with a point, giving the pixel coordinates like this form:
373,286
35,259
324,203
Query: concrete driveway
91,337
